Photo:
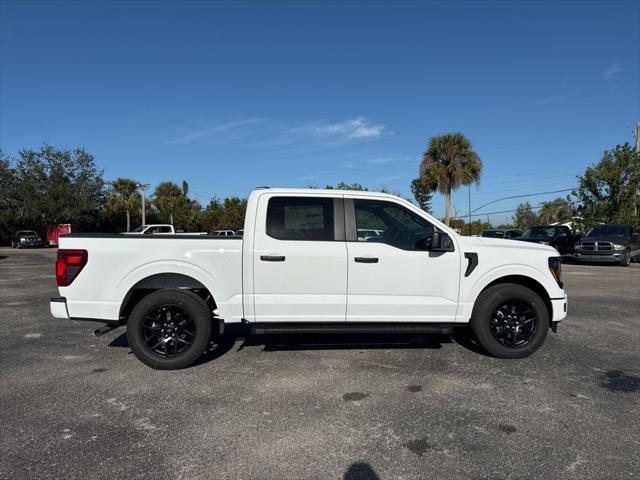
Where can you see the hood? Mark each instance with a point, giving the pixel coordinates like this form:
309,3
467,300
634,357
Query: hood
471,242
533,239
606,238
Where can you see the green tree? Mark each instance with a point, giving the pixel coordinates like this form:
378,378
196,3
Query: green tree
558,210
422,194
610,190
123,195
347,186
524,217
167,198
57,186
7,198
449,162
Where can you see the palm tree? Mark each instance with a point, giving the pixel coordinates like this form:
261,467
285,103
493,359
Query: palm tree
448,163
123,195
166,198
558,210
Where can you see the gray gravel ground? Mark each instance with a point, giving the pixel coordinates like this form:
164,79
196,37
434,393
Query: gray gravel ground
329,407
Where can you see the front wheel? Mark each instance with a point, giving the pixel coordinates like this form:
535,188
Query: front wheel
626,260
169,329
510,321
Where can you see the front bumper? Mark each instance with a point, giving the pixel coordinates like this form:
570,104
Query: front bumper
58,307
559,307
605,258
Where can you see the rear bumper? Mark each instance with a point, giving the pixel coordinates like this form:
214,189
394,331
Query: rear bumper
559,307
607,258
58,307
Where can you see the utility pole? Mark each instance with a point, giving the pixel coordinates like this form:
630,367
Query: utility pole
142,187
637,134
469,217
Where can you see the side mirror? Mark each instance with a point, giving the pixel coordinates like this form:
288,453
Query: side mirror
440,242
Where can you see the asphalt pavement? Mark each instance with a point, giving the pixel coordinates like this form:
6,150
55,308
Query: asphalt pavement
320,407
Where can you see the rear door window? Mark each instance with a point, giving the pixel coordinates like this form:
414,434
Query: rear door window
301,218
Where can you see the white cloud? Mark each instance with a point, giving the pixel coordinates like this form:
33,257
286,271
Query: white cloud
214,131
380,160
358,128
613,71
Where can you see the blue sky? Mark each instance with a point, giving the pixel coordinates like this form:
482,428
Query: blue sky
229,96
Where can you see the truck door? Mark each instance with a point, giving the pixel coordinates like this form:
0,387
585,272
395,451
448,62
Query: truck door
299,259
392,277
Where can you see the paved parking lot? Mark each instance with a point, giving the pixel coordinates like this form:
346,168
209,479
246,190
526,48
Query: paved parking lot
329,407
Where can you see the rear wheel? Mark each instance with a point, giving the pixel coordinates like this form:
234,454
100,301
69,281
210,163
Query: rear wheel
510,321
169,329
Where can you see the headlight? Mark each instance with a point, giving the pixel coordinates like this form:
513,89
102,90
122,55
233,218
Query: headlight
22,239
578,246
619,247
556,269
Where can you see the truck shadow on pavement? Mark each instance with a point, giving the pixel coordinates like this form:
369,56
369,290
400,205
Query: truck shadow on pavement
325,341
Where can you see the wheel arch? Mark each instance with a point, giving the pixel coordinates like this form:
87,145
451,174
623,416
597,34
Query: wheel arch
525,281
164,281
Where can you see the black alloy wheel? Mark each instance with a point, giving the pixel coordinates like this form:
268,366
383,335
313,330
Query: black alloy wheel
513,323
168,330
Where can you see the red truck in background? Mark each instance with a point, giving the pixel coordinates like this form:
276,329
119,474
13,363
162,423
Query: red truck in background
54,232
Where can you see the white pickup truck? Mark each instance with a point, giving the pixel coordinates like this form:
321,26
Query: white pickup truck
302,267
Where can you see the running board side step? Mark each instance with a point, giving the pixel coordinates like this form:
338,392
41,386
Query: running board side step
287,328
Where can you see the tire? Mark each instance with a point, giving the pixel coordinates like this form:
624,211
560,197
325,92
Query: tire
626,261
499,312
181,312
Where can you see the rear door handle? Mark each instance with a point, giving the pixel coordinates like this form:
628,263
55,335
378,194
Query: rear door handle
366,259
272,258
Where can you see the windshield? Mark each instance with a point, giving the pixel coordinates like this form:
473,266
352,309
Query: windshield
493,233
540,232
27,233
139,229
608,231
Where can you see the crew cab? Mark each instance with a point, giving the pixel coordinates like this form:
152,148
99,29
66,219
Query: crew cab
610,244
302,267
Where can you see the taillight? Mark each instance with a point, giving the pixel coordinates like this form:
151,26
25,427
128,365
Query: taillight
69,265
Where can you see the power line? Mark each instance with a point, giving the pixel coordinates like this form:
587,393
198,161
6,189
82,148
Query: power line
521,196
506,211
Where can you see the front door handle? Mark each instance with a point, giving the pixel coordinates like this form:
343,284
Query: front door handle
366,259
272,258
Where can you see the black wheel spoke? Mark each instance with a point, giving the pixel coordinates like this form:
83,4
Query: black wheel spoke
168,330
513,323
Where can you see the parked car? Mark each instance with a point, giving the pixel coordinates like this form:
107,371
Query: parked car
369,234
223,233
240,233
25,238
502,233
153,229
55,231
159,229
609,243
301,268
559,237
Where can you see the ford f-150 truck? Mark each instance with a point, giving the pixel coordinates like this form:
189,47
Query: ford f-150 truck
302,267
